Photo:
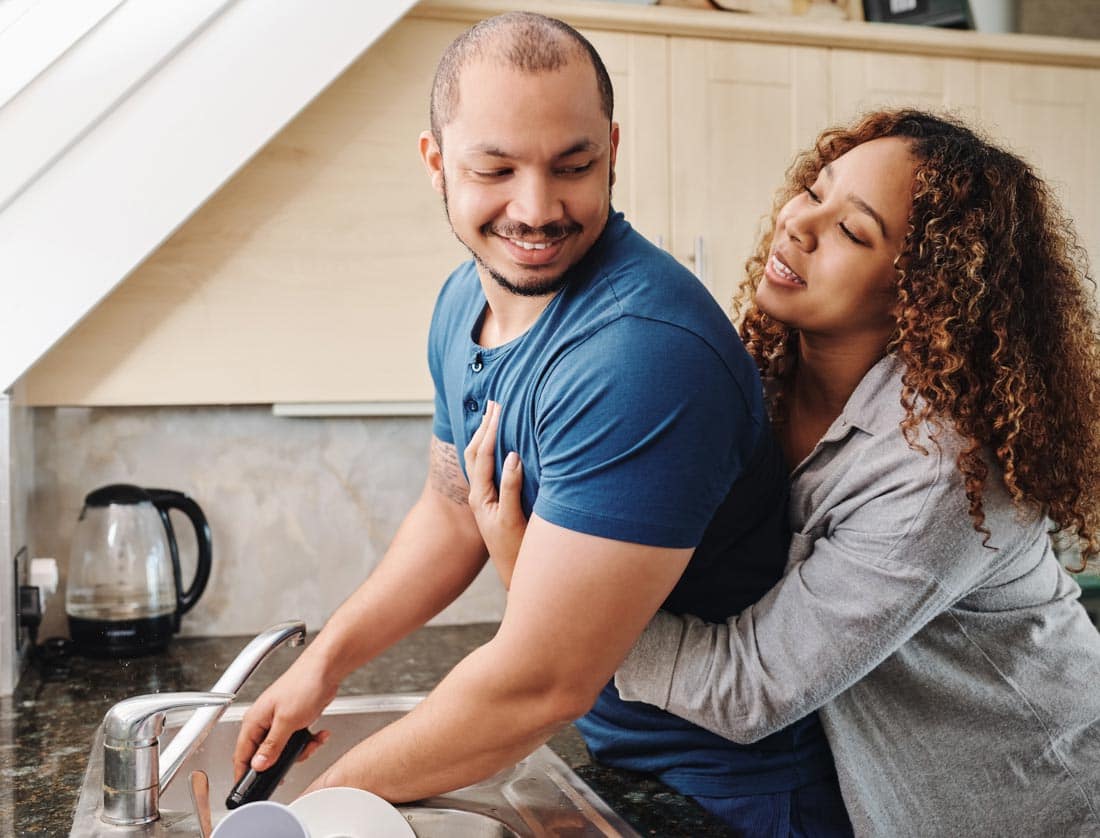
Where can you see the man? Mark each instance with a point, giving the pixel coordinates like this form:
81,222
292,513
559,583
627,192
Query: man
637,415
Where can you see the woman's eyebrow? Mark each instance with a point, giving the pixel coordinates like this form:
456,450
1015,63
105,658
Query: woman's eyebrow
860,203
870,210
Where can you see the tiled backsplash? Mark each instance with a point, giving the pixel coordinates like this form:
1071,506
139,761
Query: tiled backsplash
300,509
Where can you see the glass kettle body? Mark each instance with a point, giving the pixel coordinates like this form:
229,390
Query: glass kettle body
124,593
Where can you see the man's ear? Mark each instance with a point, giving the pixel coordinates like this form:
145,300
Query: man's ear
432,155
614,149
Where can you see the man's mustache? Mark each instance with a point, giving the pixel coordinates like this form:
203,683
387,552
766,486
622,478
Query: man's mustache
551,232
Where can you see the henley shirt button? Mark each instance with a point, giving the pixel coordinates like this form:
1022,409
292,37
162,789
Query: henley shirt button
477,365
471,405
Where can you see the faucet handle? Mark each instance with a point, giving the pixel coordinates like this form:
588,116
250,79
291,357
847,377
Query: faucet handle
138,721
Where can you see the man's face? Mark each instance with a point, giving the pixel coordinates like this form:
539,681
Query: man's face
526,171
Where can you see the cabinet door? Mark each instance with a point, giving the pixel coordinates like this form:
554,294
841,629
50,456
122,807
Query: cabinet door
638,66
863,81
1051,117
739,112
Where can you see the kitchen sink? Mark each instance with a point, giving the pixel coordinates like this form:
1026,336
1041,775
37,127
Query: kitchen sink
539,796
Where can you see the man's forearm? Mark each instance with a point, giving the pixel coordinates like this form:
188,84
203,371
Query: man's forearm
576,605
483,717
432,559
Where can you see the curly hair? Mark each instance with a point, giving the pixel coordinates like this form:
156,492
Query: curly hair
996,319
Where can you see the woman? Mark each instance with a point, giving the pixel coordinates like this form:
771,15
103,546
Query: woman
923,319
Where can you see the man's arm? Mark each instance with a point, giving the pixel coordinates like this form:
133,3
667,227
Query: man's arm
576,605
435,555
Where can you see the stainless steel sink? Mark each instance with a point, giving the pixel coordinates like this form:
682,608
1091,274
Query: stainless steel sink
540,796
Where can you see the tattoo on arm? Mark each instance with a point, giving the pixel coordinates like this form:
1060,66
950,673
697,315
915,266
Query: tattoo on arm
446,476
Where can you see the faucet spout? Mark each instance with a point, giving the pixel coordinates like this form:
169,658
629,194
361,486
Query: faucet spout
192,734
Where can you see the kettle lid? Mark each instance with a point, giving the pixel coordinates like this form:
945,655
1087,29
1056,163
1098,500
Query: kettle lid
117,493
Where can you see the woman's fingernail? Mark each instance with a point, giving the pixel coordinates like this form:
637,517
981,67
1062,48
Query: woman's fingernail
511,461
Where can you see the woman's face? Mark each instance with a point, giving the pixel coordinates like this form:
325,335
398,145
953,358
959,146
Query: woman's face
831,267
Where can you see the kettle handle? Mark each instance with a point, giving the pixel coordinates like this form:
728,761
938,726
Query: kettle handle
163,500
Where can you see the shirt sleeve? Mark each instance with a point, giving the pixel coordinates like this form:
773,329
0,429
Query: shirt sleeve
641,431
437,341
867,586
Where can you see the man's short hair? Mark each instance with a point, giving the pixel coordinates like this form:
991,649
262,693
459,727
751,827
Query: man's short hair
526,41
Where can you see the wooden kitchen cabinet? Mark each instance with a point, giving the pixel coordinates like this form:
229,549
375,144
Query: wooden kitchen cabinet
1051,116
310,276
740,111
638,66
863,80
743,110
1048,114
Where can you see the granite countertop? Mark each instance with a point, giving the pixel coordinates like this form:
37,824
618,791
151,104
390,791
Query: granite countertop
46,727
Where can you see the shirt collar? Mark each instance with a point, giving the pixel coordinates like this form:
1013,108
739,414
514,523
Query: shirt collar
875,405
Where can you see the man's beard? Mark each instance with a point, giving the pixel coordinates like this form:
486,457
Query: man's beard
544,286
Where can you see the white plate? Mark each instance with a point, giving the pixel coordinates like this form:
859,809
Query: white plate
350,813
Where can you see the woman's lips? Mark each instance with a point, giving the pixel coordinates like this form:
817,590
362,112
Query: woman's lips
779,272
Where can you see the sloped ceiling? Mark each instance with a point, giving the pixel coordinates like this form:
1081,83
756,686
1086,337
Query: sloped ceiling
119,118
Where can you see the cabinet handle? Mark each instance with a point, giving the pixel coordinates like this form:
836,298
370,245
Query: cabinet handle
700,260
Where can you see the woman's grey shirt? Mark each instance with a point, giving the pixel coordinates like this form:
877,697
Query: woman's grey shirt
958,682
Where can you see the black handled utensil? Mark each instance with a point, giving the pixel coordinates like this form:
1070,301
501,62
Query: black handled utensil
258,785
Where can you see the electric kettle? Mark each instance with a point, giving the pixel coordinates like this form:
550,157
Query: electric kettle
124,595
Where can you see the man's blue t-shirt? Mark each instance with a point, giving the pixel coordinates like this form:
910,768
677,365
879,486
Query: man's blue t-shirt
638,416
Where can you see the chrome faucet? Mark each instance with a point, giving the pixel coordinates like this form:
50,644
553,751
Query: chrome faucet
131,752
133,778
